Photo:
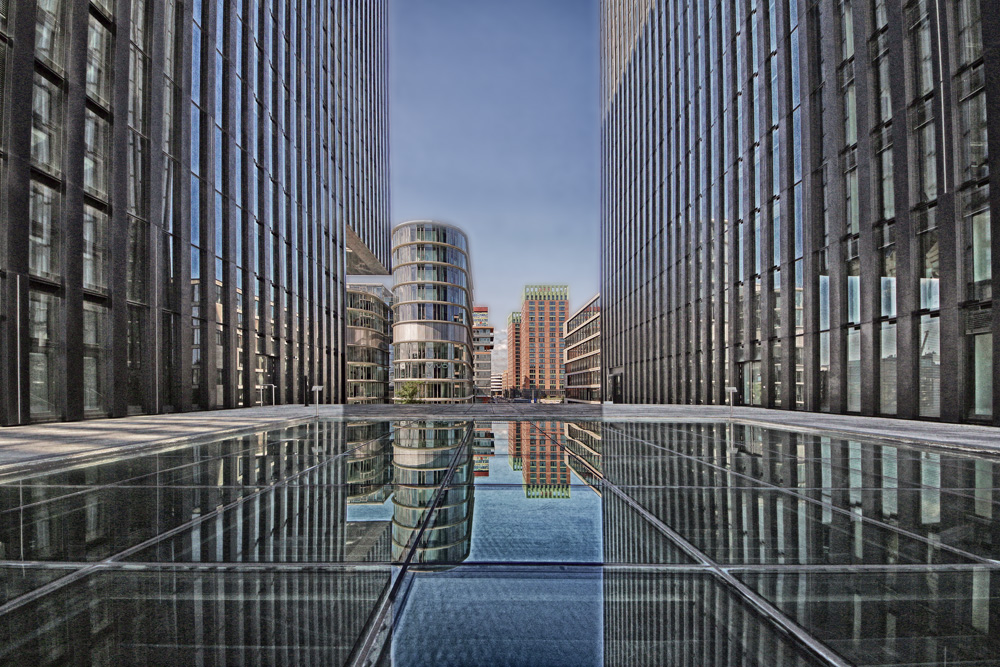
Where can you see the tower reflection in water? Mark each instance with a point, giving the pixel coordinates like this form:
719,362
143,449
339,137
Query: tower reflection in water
432,458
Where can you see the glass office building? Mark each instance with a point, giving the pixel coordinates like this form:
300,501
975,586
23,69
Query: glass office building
797,203
432,317
369,323
184,188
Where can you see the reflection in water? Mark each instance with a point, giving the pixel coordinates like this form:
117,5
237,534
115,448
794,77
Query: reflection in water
538,450
688,618
195,617
369,463
427,455
274,495
483,449
277,547
925,617
583,446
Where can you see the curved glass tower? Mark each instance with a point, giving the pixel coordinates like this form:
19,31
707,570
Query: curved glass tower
432,330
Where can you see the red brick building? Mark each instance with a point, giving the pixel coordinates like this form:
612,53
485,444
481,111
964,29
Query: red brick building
540,344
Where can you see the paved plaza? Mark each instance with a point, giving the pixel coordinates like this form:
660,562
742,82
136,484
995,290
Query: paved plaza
43,444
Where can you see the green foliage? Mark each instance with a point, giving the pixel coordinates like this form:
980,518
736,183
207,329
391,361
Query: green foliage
409,391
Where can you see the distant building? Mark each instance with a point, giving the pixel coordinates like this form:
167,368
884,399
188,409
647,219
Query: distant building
496,384
482,341
512,377
539,344
432,328
369,321
583,353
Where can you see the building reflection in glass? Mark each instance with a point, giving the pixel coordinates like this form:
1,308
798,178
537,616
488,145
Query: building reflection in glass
426,455
584,449
369,463
749,495
276,495
483,449
538,450
205,617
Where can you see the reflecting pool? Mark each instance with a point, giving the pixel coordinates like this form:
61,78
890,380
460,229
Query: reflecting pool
516,543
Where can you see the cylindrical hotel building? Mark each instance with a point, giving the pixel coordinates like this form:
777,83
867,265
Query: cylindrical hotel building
432,333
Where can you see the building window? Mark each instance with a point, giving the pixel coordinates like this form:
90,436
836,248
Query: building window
854,369
981,374
887,369
930,366
43,354
98,62
94,345
975,164
929,260
95,167
43,237
48,32
45,125
95,228
978,247
888,277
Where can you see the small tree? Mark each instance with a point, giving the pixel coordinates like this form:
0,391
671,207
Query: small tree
409,391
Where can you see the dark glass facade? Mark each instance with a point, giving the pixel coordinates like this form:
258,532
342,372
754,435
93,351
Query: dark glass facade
185,187
797,203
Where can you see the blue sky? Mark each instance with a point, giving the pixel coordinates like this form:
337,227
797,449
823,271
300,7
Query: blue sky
495,127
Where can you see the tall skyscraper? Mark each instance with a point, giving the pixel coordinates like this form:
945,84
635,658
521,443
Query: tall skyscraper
543,314
512,376
796,203
184,188
432,330
482,339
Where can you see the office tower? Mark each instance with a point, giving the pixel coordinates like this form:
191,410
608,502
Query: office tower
512,376
582,334
432,330
496,384
369,323
181,185
482,340
543,314
796,203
